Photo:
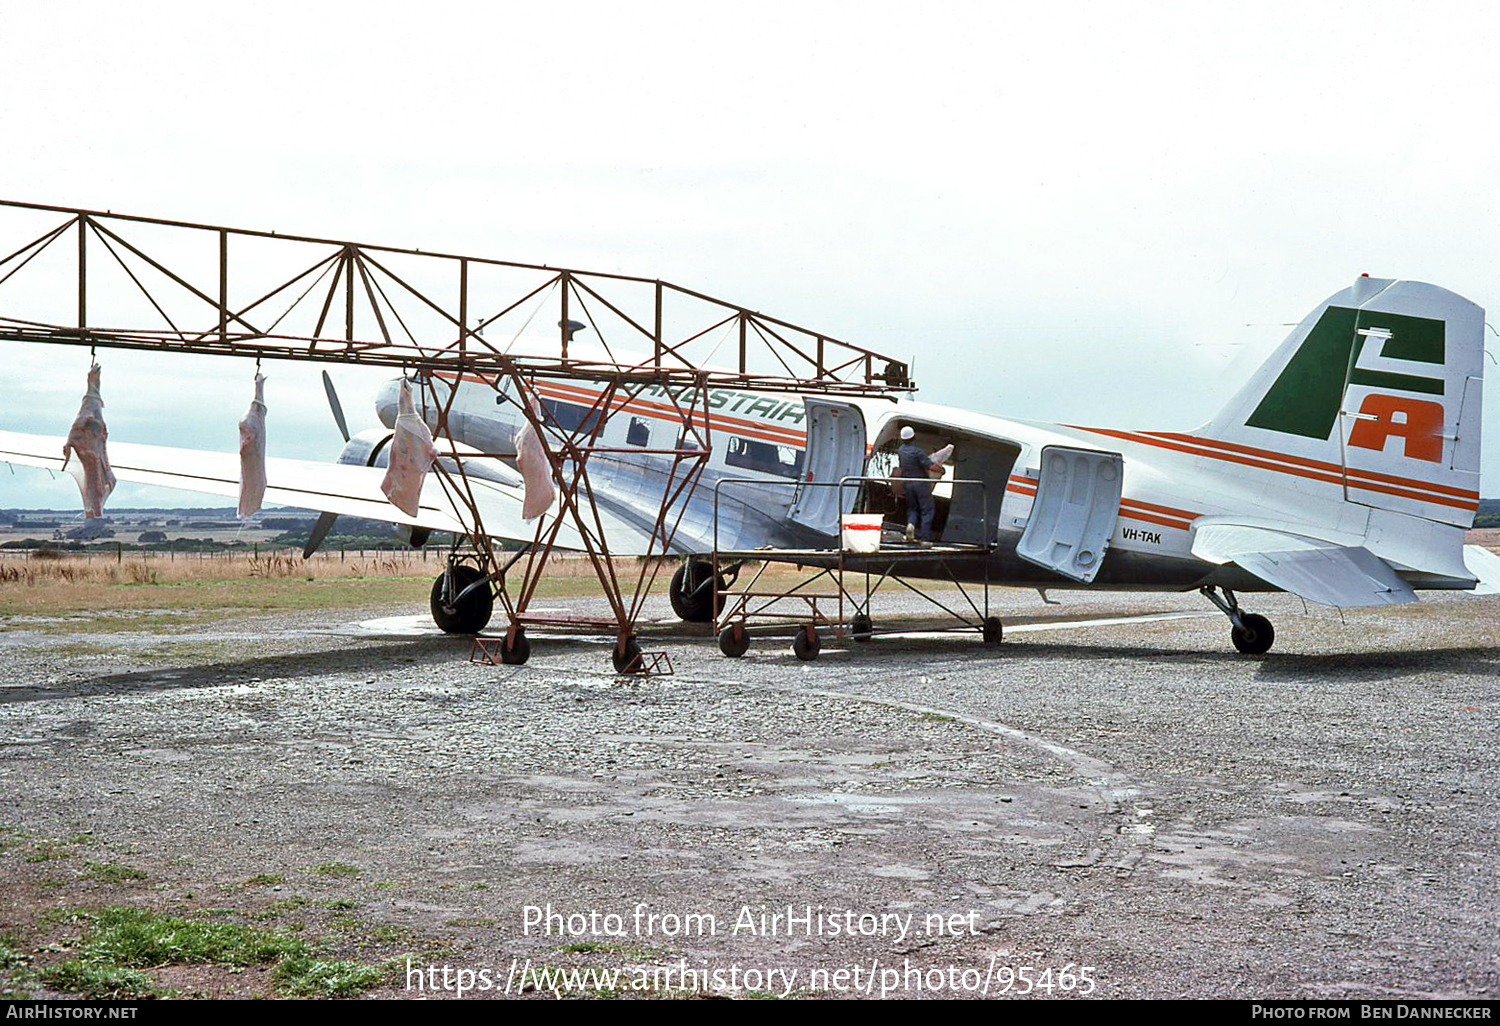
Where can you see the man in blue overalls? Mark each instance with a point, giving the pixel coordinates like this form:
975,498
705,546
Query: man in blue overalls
914,467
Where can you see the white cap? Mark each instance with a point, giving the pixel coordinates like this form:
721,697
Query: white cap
907,434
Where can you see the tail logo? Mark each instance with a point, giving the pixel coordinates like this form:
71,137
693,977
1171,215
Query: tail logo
1379,351
1420,423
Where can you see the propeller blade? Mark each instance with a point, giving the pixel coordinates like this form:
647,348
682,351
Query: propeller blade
338,410
319,532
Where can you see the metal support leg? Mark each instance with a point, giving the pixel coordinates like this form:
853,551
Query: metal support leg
1228,605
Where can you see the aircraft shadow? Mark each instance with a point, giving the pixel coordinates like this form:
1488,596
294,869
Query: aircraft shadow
368,660
1273,668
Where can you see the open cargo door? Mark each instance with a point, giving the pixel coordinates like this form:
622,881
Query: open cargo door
1077,502
835,450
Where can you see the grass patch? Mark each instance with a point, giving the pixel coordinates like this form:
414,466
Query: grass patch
306,976
101,981
335,869
341,904
121,942
114,872
10,954
15,969
49,850
137,937
266,880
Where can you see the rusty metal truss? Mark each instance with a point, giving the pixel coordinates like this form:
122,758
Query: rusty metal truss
105,280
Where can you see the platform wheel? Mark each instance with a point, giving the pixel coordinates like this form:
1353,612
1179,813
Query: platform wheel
472,612
626,655
734,640
861,627
805,643
1255,637
514,648
993,630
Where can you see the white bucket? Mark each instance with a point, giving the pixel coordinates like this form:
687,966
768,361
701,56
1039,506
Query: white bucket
862,532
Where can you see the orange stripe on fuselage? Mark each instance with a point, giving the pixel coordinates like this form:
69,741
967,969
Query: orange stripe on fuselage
1370,475
574,393
736,425
1198,448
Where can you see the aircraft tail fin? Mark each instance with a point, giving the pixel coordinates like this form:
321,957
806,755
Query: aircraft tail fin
1378,390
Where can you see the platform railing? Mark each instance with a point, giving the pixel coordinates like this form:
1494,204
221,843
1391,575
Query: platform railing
739,602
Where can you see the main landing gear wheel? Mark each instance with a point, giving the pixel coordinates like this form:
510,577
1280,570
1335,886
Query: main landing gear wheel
734,640
861,627
1255,636
627,655
514,648
471,612
994,630
692,594
805,643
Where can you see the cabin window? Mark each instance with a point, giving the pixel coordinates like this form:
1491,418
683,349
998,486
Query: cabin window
687,440
572,418
764,457
639,433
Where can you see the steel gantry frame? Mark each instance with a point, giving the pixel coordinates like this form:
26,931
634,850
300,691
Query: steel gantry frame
426,314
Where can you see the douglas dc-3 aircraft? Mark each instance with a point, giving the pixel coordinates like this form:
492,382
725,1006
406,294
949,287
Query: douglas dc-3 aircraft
1345,471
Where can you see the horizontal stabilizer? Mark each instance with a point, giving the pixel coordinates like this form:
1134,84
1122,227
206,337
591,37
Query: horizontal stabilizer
1320,571
1485,566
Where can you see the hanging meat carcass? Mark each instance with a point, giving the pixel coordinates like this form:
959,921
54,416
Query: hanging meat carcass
536,470
253,452
412,454
86,440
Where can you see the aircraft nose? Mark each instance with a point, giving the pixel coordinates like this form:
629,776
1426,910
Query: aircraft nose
387,402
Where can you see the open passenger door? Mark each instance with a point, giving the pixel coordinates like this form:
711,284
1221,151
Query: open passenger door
835,450
1073,516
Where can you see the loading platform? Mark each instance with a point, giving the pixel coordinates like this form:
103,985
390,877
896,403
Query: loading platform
838,598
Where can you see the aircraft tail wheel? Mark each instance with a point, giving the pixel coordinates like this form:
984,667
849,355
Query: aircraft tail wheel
627,655
994,630
734,640
861,626
470,614
1256,636
515,649
805,643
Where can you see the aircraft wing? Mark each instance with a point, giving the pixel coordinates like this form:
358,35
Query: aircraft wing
330,487
1321,571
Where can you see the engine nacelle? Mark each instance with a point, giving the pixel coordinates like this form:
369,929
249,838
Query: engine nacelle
369,448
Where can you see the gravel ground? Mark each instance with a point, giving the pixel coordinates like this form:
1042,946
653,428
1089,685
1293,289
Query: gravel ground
1136,798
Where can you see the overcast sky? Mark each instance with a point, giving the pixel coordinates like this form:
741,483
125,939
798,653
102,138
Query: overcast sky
1081,212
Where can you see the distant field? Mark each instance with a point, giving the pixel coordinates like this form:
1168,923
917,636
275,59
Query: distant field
206,585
